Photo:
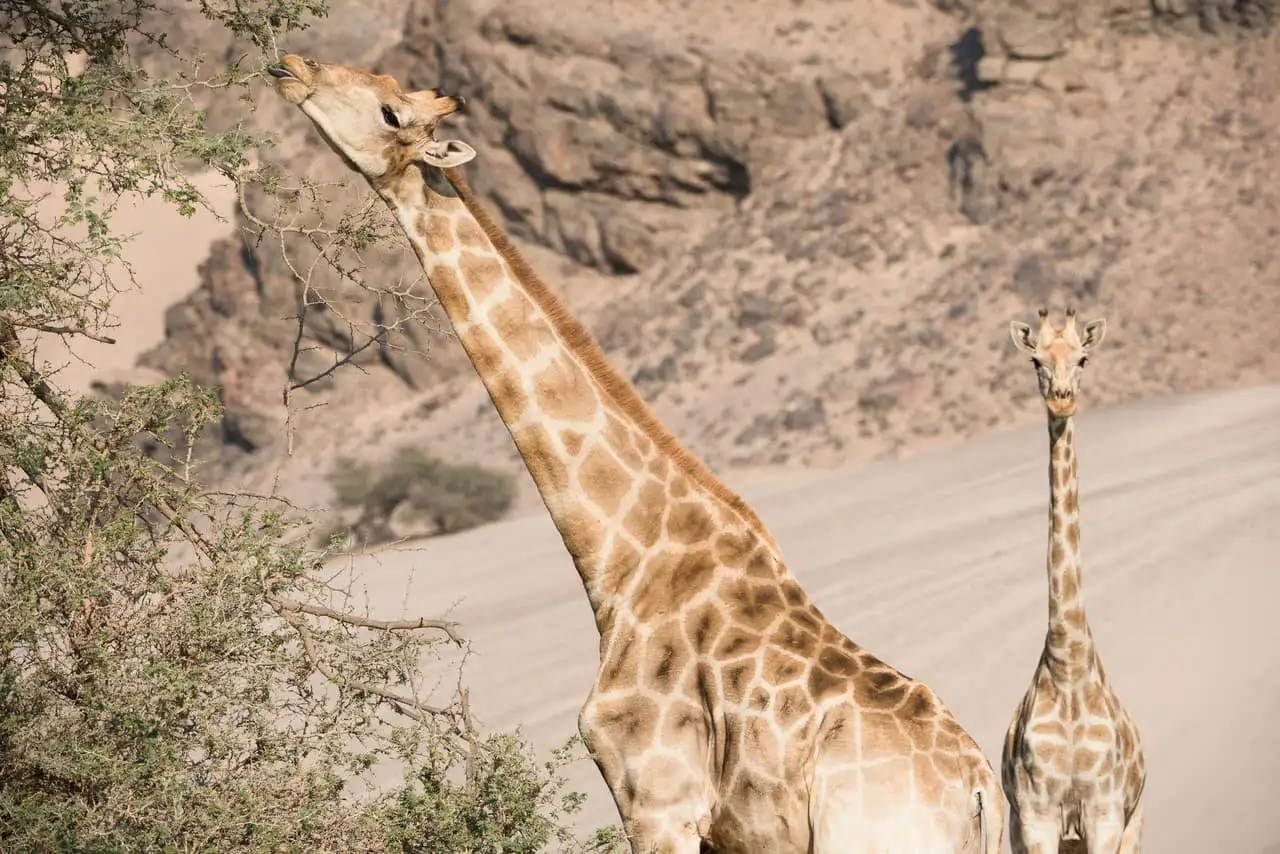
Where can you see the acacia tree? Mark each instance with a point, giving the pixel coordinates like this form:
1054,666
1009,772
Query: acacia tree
178,670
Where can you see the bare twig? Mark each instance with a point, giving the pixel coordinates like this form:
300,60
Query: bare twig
68,330
448,627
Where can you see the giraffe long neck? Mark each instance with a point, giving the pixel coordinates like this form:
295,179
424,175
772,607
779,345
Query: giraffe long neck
609,473
1068,640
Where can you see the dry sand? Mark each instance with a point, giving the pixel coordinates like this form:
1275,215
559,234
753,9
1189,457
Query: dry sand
936,563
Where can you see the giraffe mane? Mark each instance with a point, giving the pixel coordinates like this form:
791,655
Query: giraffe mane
616,386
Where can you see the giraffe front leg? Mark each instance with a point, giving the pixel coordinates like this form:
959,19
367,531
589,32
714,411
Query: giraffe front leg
1103,830
662,799
1131,841
1034,834
651,834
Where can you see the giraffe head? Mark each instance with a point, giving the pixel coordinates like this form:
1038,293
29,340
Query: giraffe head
1059,356
377,129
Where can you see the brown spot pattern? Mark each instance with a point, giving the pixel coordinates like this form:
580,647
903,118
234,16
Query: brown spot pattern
781,669
732,548
621,663
681,718
672,577
472,235
837,662
791,638
762,565
622,562
735,678
484,275
762,742
603,480
807,620
689,523
448,287
666,658
790,705
582,533
437,232
520,326
737,642
1070,585
542,458
880,689
644,520
619,438
822,684
1056,553
565,393
703,626
634,719
503,382
794,594
572,441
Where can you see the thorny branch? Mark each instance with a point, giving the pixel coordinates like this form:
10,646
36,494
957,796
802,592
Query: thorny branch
448,627
287,609
410,707
67,330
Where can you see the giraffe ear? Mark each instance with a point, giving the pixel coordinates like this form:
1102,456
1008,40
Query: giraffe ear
1022,336
1094,331
447,153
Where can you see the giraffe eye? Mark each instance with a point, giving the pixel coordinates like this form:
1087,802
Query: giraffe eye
389,116
1084,360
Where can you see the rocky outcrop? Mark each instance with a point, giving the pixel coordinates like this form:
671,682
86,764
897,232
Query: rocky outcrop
802,230
612,145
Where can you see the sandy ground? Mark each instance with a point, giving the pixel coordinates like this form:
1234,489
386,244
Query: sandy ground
936,563
164,254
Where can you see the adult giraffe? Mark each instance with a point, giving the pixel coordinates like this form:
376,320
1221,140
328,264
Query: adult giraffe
727,713
1072,764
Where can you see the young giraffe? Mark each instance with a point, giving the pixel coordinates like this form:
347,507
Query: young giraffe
1072,763
728,714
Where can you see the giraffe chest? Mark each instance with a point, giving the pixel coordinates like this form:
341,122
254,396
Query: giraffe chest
1071,750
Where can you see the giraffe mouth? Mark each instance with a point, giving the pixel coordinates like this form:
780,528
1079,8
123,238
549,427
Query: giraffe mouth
1062,406
293,77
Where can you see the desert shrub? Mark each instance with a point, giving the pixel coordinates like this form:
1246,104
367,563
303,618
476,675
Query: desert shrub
416,493
179,671
507,807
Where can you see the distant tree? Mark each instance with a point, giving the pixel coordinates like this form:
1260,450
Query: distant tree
177,673
430,495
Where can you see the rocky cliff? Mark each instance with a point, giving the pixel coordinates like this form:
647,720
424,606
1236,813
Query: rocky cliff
802,228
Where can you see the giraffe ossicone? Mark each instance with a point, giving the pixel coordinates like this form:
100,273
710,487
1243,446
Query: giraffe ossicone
728,714
1072,764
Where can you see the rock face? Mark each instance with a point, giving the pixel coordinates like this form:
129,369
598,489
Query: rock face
802,230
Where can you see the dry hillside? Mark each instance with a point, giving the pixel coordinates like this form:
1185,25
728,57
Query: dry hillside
801,227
